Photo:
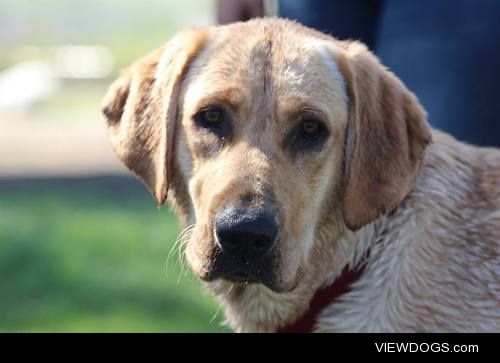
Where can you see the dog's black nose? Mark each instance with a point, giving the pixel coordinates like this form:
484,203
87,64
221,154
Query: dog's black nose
245,233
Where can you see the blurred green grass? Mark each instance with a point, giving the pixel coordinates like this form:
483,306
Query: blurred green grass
89,255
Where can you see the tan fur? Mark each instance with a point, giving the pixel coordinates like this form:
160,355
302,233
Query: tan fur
141,109
428,215
386,138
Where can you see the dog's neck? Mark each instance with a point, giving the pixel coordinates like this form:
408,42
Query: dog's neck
328,294
323,297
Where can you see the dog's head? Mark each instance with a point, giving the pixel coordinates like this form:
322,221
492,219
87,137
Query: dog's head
261,132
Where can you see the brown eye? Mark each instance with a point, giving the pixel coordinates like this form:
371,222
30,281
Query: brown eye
214,120
212,116
308,135
310,130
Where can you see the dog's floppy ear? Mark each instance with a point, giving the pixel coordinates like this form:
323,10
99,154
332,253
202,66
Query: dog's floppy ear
387,134
141,110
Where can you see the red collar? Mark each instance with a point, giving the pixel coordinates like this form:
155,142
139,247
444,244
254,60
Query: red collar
321,299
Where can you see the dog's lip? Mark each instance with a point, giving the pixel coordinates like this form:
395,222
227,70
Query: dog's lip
237,274
251,280
243,279
246,279
240,275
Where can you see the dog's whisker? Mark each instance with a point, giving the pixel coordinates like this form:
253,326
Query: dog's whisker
179,240
219,308
182,236
220,305
171,252
181,256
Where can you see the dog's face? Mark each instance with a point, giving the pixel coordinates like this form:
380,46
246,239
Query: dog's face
263,130
263,124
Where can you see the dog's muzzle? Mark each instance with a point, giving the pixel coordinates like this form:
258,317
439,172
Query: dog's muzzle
246,243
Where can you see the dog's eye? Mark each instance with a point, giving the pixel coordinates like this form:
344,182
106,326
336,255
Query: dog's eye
310,130
210,118
309,134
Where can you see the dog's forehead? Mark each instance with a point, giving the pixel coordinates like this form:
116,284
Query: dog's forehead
243,63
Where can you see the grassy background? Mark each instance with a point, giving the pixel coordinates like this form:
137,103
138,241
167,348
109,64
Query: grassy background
87,254
90,255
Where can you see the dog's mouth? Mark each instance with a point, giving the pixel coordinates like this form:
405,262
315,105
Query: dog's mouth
243,271
243,279
241,276
247,275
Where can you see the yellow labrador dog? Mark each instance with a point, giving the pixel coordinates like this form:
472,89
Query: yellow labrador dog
316,195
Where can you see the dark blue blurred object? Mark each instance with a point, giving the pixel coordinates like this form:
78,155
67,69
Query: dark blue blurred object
447,52
353,19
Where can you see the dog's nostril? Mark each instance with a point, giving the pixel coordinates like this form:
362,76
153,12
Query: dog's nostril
229,239
261,243
245,233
